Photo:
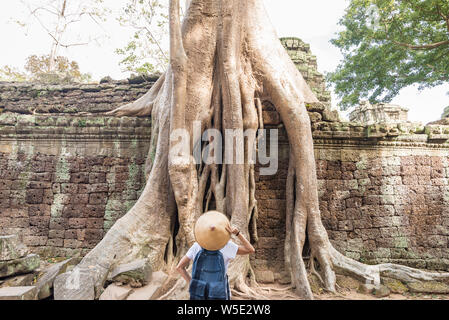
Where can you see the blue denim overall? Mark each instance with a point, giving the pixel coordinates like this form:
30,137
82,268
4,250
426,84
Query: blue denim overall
209,280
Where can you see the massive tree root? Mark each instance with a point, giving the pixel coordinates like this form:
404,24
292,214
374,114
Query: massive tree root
225,60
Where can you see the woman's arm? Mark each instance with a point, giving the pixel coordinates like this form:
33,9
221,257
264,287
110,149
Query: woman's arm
246,247
181,268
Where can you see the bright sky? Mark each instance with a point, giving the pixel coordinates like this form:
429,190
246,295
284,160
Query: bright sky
313,21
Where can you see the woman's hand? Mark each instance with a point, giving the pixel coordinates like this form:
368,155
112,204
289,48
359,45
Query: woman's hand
244,249
233,231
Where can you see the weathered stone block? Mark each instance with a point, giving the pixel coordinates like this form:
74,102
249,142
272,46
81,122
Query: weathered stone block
77,223
72,243
381,291
366,288
95,178
93,234
55,242
45,280
137,273
34,196
19,281
264,276
98,198
11,248
428,287
80,178
18,293
395,286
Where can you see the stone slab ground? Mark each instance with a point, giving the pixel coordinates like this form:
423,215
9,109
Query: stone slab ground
18,293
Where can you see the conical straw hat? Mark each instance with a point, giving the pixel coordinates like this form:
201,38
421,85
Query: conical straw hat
210,231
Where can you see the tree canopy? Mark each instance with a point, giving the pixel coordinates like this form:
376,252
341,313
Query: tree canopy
45,69
388,45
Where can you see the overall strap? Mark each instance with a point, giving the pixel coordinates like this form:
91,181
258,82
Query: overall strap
222,266
220,262
195,271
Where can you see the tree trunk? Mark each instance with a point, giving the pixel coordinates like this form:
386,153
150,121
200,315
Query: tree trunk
224,60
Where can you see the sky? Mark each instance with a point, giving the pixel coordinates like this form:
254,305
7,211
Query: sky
315,22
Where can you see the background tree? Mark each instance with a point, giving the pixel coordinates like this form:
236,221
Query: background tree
389,45
146,52
60,20
59,69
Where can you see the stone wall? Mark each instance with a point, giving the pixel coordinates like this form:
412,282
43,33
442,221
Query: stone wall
66,178
307,64
383,191
35,98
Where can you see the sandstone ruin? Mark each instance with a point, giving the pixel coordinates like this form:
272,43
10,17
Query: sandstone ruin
67,177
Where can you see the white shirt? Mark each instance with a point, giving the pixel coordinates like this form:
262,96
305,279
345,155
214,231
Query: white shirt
229,252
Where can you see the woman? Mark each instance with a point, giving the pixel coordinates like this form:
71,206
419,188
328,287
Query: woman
228,253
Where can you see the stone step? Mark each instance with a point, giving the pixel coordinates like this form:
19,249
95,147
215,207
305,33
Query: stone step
115,292
11,248
77,284
19,266
18,293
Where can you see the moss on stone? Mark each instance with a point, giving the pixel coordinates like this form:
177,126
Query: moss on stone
62,168
7,118
428,287
401,242
395,286
95,122
57,205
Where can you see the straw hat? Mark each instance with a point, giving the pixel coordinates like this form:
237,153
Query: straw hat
210,231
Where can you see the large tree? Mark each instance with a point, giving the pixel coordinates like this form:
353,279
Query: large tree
388,45
224,60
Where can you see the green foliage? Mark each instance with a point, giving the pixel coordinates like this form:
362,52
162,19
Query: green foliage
145,53
388,45
8,73
64,70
